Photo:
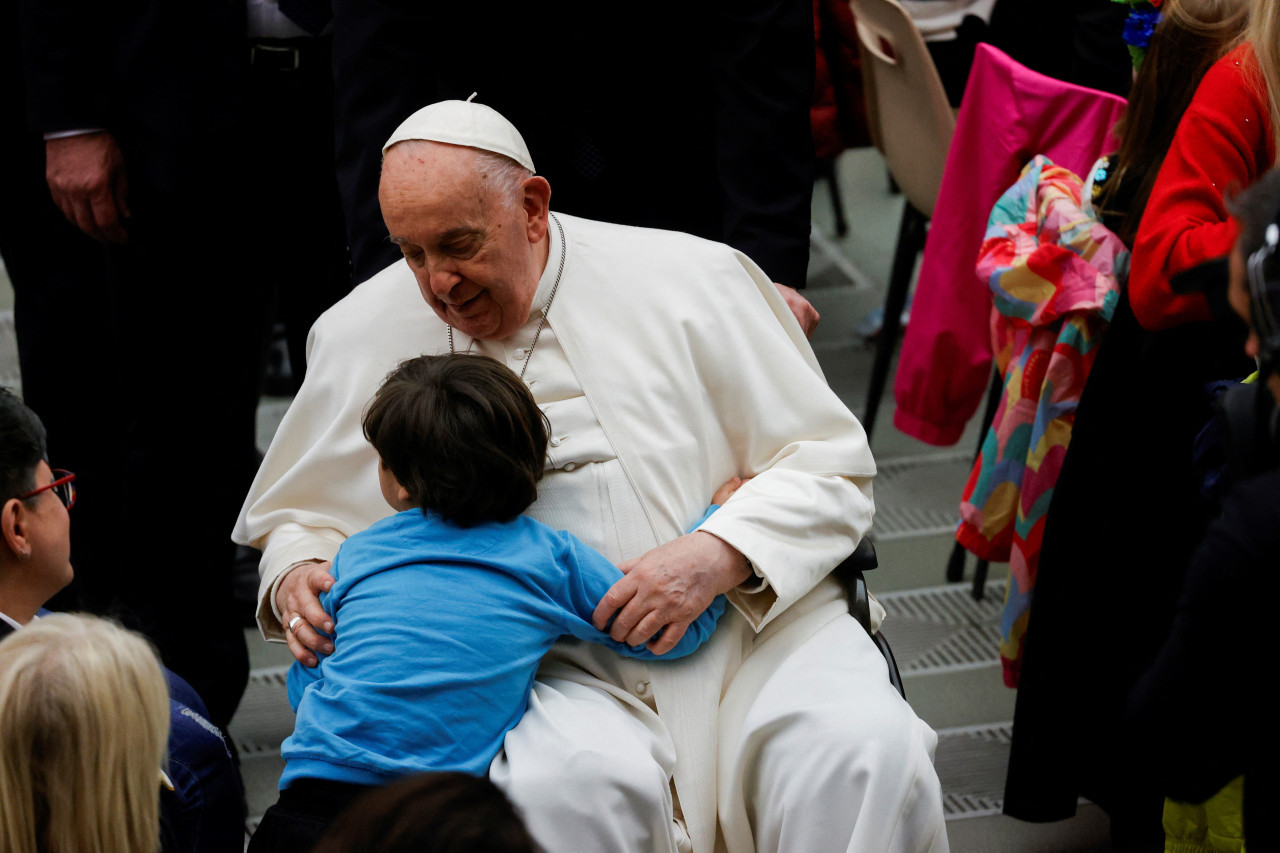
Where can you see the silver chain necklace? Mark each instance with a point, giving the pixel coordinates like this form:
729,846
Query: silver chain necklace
545,308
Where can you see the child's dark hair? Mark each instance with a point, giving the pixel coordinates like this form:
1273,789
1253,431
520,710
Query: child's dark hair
430,813
22,446
462,434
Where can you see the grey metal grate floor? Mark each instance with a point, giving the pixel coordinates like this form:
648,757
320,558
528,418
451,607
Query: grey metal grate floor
263,720
943,628
971,764
264,717
10,377
908,500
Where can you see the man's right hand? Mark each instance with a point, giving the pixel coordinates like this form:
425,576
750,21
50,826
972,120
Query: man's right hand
806,314
86,177
299,595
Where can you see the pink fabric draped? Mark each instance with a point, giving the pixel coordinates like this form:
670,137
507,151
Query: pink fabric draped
1009,114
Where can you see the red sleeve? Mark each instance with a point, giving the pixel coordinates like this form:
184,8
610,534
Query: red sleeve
1222,145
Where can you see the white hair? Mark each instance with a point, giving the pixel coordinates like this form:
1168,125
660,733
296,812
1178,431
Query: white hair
504,177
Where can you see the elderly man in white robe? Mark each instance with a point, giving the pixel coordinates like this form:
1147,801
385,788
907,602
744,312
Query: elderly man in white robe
666,364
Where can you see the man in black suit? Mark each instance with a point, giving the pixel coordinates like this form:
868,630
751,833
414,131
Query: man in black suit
137,333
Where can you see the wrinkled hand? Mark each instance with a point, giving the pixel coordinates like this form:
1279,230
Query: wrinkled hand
667,588
299,595
86,177
805,313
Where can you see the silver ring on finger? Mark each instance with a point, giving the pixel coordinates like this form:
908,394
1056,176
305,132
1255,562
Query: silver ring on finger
294,621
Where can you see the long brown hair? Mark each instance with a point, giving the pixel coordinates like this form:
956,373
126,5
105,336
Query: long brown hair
1191,37
1264,37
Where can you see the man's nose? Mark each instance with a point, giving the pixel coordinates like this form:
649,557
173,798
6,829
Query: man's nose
443,278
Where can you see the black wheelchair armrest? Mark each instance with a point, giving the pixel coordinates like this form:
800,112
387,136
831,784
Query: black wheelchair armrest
849,573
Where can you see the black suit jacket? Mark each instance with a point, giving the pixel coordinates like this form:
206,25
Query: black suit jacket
160,75
173,308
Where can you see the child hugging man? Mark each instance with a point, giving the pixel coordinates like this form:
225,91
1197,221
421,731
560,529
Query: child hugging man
443,611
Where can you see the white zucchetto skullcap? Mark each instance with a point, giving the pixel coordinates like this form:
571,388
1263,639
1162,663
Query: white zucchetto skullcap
464,123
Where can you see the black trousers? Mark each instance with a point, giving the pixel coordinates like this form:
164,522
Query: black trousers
302,266
302,815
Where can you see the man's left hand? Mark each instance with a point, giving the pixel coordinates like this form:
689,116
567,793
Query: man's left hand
805,313
667,588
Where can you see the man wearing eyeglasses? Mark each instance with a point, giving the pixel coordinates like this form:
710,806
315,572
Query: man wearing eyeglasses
202,808
35,539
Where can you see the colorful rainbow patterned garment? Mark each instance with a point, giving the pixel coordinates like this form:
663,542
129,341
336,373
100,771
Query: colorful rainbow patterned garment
1055,273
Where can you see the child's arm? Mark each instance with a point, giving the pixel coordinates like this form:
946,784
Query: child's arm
590,577
592,569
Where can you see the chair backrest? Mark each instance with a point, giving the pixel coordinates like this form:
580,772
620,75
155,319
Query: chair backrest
908,110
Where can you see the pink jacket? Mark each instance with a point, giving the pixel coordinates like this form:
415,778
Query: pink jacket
1009,114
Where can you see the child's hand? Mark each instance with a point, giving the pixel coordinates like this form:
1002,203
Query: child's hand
726,491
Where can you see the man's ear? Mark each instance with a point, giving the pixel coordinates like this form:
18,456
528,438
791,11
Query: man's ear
402,494
536,201
12,527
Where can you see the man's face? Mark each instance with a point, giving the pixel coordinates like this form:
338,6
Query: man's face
49,531
473,256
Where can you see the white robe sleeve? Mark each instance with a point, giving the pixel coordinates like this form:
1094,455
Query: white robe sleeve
810,501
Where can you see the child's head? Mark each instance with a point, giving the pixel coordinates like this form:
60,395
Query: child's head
461,435
431,813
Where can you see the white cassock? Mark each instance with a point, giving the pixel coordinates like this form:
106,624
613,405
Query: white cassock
668,365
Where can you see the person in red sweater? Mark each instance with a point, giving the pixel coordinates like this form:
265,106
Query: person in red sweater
1225,142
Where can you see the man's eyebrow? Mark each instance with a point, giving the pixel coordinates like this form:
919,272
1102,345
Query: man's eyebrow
460,233
447,237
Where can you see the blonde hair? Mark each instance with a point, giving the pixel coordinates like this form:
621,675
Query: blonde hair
84,723
1263,36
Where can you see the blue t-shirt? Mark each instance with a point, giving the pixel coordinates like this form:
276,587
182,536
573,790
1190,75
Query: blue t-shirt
438,632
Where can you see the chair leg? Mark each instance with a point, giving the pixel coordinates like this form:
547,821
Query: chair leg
910,241
980,580
827,171
955,565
